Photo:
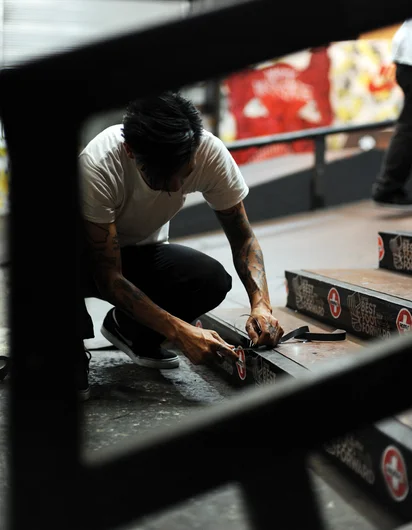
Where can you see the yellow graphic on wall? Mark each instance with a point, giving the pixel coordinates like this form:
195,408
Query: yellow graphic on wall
363,84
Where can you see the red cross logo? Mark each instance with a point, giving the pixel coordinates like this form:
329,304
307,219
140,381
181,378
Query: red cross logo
334,303
241,364
381,248
404,321
395,474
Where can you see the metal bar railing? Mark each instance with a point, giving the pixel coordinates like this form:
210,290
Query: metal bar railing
43,105
306,134
318,135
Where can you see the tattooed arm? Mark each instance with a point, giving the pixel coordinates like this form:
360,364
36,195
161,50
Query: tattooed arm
261,326
105,258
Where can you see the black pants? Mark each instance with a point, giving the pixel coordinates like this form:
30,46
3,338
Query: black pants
183,281
397,163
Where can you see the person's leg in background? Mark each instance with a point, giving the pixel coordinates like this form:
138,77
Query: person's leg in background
181,280
388,190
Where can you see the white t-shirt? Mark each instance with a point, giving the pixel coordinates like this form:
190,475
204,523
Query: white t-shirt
402,44
113,190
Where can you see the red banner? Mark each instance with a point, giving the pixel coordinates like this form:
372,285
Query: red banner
277,99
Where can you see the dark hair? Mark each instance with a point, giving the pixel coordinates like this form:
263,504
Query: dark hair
163,132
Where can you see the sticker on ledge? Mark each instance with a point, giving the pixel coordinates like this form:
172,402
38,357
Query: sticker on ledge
334,303
241,364
381,248
404,321
199,324
394,471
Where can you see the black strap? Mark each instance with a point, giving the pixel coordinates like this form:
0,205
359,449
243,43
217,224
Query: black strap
303,333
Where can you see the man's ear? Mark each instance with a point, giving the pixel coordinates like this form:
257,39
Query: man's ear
128,150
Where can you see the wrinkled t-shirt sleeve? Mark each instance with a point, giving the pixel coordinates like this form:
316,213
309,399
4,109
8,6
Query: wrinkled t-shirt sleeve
98,202
224,183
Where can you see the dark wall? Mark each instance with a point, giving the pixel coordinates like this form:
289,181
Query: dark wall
344,181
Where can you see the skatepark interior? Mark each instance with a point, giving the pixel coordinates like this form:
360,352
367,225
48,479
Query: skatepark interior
337,238
129,402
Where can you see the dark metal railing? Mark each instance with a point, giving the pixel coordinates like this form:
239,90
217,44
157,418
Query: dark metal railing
306,134
43,104
318,135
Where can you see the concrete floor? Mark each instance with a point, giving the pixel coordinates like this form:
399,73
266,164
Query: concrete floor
128,400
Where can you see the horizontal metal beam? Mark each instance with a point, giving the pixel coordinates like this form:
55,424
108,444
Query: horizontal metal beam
306,134
175,463
106,74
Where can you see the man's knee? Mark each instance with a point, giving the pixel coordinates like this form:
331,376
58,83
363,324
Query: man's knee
218,283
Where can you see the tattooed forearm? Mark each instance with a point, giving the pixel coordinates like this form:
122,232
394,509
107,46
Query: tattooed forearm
249,264
236,225
247,254
124,287
132,300
105,260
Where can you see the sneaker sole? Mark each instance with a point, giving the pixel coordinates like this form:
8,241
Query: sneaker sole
141,361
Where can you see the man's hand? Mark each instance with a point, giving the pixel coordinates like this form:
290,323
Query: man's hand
201,345
263,328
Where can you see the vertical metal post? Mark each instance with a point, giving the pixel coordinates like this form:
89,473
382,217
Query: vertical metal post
43,439
217,109
213,105
317,198
279,493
